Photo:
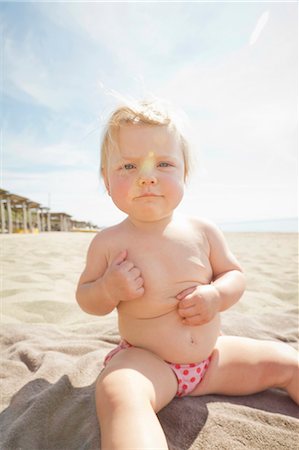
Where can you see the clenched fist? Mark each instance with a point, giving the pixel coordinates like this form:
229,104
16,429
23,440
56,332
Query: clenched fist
122,280
198,305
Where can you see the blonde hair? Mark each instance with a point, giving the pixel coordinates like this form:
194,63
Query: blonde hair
152,113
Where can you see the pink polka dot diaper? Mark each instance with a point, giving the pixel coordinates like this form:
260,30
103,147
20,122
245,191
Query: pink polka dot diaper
188,375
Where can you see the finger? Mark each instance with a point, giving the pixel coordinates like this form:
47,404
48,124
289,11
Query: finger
139,282
187,302
193,321
135,273
126,266
121,257
185,292
187,312
140,291
137,292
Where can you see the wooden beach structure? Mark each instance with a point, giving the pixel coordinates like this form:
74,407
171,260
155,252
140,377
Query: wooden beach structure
18,213
21,215
61,221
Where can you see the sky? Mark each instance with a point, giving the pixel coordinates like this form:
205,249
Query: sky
230,67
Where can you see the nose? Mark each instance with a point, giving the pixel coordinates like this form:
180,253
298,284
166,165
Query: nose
147,180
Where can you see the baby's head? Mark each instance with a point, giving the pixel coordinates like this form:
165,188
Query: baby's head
151,113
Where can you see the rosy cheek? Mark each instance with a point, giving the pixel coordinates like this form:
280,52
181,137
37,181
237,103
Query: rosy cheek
174,182
119,186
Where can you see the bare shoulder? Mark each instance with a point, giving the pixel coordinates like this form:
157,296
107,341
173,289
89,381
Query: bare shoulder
205,225
220,255
103,239
207,228
98,254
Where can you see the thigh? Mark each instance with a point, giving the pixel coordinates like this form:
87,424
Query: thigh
242,366
137,372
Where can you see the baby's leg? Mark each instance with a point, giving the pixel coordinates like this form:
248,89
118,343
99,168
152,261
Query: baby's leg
242,366
133,387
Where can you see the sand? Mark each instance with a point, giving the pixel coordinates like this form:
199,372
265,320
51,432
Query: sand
52,352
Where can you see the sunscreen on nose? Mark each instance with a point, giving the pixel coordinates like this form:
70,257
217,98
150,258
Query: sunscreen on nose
148,164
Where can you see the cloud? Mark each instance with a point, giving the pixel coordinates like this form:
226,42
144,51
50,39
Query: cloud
30,74
29,152
261,23
243,110
241,99
51,68
244,104
61,188
240,202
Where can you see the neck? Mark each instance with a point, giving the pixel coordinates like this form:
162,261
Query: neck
156,226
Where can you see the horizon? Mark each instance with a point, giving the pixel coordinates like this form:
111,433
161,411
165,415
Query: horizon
276,225
231,68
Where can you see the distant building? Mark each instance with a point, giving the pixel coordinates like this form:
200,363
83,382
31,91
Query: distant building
20,215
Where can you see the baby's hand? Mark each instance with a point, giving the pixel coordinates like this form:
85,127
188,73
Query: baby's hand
122,280
198,305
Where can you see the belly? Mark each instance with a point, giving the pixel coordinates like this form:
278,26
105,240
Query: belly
168,338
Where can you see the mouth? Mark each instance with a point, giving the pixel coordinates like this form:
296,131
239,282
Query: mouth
148,195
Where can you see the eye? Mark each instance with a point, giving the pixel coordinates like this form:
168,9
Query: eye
128,166
164,164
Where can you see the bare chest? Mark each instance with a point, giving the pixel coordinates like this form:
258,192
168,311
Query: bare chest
168,266
164,264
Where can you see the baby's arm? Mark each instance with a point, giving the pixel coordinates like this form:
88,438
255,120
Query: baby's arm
101,286
228,277
198,305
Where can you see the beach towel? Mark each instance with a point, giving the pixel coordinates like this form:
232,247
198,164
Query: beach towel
52,353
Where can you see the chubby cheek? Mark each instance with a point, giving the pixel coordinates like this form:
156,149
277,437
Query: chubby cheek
119,189
174,189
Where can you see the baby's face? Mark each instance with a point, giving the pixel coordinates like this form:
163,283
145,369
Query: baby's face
145,176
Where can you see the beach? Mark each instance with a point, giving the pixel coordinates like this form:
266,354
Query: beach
52,352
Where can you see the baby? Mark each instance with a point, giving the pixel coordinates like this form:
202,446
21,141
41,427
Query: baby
169,278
